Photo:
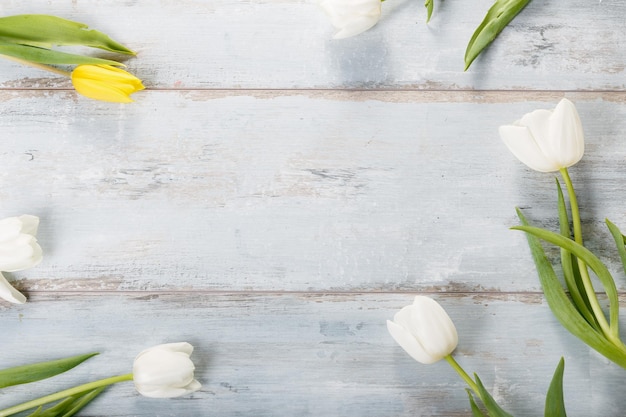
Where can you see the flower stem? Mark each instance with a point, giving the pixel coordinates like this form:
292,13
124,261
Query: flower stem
38,65
64,394
454,364
582,266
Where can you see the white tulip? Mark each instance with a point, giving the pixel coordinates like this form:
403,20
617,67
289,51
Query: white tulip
352,17
424,330
19,250
165,371
546,140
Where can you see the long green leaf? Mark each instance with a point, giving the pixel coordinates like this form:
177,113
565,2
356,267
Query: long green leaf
429,9
490,404
555,404
46,30
498,16
590,259
37,371
49,56
562,306
82,402
69,406
619,241
476,412
571,273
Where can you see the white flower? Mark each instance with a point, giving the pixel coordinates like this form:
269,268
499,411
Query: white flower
424,330
19,250
546,140
352,17
165,371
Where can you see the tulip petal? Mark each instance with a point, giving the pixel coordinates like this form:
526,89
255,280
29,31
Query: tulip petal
9,293
352,17
30,224
21,253
566,131
409,343
105,83
523,145
9,229
355,27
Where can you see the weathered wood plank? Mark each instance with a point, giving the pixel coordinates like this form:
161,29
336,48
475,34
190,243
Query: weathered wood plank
309,355
558,45
293,191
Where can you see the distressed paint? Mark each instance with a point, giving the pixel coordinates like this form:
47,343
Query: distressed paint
275,196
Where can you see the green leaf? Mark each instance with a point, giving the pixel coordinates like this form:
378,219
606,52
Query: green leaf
46,30
571,273
562,306
37,371
476,412
619,241
49,56
429,8
590,259
555,404
490,404
69,406
498,16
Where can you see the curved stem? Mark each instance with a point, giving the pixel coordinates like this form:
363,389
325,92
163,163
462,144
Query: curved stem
454,364
38,65
584,272
64,394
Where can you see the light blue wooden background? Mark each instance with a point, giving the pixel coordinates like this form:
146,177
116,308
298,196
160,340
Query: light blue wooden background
275,195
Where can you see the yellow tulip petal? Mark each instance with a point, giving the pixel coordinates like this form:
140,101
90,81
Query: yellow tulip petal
106,83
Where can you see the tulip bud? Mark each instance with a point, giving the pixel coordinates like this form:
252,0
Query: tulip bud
106,83
165,371
352,17
546,140
19,250
424,330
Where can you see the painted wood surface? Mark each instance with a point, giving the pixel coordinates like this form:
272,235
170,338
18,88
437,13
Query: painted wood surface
275,196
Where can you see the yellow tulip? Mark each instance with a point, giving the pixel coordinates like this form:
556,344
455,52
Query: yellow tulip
106,83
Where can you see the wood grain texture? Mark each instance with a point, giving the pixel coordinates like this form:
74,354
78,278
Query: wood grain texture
556,45
309,355
275,196
294,191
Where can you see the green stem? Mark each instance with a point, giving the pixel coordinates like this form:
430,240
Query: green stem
584,272
64,394
454,364
37,65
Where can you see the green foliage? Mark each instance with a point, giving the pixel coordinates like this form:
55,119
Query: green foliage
476,412
49,56
561,305
555,404
498,16
429,8
29,373
490,404
69,406
52,30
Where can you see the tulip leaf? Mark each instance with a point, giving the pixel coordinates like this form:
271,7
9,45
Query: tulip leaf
571,273
429,8
69,406
476,412
563,308
490,404
590,259
52,30
619,241
555,405
37,371
498,16
49,56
